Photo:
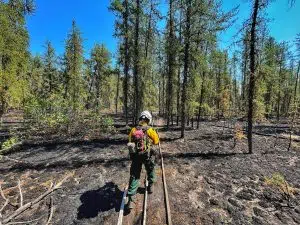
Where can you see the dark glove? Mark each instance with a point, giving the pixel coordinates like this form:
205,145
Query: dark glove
131,149
155,152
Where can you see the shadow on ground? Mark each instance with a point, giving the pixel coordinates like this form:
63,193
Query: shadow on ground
53,145
64,164
211,155
103,199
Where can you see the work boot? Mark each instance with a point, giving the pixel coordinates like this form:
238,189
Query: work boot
150,189
131,202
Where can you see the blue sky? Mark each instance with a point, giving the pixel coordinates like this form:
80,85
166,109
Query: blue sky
52,21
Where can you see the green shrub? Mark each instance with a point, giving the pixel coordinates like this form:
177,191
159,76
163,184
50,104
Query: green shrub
58,117
8,144
54,120
207,110
107,121
278,182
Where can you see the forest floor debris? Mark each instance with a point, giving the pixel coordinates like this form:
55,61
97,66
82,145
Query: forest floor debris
211,179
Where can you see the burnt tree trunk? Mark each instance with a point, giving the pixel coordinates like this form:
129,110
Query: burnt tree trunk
296,84
201,99
171,64
295,108
98,78
178,97
126,59
136,83
163,95
186,65
218,84
245,69
118,91
279,85
202,92
252,73
179,69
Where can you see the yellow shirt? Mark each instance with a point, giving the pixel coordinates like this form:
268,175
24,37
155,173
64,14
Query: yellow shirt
150,132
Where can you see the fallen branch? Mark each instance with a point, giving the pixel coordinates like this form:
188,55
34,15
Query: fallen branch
51,211
35,201
24,222
21,194
6,200
8,190
5,203
2,193
13,160
3,207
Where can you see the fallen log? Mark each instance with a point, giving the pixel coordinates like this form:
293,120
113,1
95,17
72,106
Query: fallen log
23,208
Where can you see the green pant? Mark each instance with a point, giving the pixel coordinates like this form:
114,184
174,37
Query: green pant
135,171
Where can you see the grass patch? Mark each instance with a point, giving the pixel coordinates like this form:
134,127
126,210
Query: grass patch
8,144
279,183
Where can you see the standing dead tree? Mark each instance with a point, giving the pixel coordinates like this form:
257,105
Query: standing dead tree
6,219
295,108
186,64
252,72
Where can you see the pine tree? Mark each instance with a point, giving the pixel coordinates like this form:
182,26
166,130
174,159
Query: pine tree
73,62
100,58
14,56
50,75
123,30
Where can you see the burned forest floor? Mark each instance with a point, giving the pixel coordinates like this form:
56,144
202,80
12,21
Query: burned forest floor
211,179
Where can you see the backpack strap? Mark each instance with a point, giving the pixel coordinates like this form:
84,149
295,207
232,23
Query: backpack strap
147,144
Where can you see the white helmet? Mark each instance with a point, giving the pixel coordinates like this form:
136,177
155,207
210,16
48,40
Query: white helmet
146,115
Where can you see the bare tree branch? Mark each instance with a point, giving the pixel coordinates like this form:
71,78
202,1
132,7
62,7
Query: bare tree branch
25,222
6,202
51,211
21,194
13,160
3,207
2,193
35,201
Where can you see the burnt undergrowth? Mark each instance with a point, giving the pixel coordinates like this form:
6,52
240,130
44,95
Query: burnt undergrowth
215,180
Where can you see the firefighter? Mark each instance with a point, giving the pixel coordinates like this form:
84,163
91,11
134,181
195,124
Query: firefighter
141,150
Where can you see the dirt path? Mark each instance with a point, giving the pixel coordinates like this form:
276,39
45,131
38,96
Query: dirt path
155,206
156,213
135,216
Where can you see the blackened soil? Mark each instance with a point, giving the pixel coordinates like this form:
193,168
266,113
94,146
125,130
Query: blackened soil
213,183
209,180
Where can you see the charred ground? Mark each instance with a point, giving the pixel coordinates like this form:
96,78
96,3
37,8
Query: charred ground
210,180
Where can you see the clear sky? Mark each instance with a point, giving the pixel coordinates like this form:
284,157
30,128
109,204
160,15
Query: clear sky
52,21
283,25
